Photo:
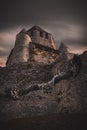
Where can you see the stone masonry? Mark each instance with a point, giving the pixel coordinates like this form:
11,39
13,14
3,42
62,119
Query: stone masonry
35,45
25,49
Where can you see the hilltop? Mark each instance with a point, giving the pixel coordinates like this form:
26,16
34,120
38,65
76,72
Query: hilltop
40,79
69,95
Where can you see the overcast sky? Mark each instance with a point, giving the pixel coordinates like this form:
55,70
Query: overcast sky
65,19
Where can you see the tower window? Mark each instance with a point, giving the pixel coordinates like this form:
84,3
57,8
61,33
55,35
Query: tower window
41,34
46,35
31,34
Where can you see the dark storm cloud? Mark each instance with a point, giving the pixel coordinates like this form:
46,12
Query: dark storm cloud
18,12
45,13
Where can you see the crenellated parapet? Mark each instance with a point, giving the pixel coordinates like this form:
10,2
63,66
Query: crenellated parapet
38,35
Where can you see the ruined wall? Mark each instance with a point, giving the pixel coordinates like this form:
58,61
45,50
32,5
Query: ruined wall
42,37
34,45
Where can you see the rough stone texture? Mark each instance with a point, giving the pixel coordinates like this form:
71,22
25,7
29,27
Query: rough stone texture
68,96
38,46
38,35
20,52
25,51
44,56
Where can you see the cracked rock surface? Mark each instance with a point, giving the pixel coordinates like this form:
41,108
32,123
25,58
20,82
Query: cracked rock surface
67,96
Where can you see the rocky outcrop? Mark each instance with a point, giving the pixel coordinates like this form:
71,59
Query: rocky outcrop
69,95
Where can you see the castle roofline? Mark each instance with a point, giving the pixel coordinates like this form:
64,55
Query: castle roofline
37,28
62,45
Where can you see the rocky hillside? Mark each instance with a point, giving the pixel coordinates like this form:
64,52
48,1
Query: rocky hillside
38,89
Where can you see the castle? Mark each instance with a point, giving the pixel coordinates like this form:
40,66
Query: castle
34,45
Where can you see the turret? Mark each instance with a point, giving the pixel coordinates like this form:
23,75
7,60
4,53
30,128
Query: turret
63,48
64,53
20,52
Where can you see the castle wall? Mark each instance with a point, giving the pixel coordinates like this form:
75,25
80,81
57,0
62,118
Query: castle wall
25,49
43,38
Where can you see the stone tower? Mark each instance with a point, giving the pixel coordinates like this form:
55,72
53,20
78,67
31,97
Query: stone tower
63,48
64,53
20,52
33,45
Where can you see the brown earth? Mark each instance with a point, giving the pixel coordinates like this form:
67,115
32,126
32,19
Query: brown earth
68,96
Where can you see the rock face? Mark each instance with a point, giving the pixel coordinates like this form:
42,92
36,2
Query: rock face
67,96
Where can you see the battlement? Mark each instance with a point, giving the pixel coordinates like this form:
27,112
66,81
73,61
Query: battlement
38,35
